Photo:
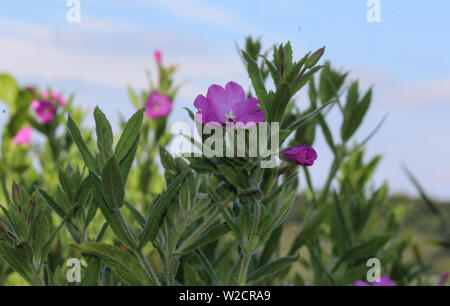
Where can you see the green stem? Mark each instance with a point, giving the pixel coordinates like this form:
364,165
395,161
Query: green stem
334,169
147,267
310,186
243,271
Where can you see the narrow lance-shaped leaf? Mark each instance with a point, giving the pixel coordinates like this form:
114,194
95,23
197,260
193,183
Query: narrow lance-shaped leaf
211,234
129,134
104,134
108,213
87,156
120,261
127,161
257,80
300,122
112,184
158,209
270,269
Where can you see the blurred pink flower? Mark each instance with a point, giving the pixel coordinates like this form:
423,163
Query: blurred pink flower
443,279
44,110
229,104
300,155
56,97
23,136
158,57
158,105
385,281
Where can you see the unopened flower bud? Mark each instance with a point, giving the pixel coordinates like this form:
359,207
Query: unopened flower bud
314,58
300,155
69,169
3,228
281,54
158,57
16,194
31,207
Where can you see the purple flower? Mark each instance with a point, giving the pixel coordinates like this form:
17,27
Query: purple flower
300,155
227,105
158,105
443,279
56,97
385,281
44,110
23,136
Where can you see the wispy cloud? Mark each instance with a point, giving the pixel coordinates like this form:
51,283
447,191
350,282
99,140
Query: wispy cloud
392,91
47,54
421,94
203,12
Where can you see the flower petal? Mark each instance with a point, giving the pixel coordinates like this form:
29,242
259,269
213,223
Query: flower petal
235,92
248,112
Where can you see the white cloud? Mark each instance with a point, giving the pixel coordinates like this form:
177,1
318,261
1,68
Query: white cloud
391,91
420,94
202,12
48,55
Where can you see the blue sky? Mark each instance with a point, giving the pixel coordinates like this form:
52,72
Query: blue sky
405,58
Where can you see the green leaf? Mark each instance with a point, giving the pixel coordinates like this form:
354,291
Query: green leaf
304,79
271,246
136,213
369,248
354,112
158,209
123,263
207,267
87,156
279,103
104,134
310,229
109,214
112,184
338,227
270,269
300,122
8,89
211,234
127,162
52,203
18,259
129,134
430,203
191,277
92,272
257,81
330,83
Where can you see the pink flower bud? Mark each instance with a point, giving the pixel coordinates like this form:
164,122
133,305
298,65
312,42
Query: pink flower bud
300,155
158,57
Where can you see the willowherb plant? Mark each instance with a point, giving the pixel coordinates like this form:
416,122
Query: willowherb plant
220,220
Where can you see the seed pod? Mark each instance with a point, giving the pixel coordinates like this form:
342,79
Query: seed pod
314,58
16,194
